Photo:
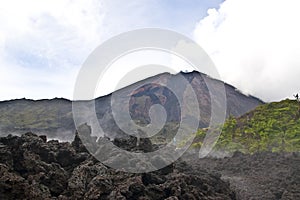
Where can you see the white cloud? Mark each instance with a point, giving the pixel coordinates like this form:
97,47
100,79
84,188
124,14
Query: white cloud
17,82
43,44
139,65
60,30
255,45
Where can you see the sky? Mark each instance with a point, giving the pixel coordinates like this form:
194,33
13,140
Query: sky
254,44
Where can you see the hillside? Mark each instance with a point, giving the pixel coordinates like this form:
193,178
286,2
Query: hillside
54,117
270,127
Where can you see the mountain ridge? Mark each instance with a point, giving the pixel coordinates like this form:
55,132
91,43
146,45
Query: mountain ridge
54,118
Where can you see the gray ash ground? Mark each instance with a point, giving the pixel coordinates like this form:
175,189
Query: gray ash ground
33,168
265,175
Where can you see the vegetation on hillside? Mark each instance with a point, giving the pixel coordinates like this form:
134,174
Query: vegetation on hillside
270,127
35,115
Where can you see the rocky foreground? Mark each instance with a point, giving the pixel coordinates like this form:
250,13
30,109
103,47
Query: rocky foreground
33,168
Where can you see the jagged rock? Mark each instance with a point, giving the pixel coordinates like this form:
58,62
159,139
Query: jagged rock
131,143
82,175
127,143
12,186
152,178
43,137
33,168
137,190
77,144
6,156
99,187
